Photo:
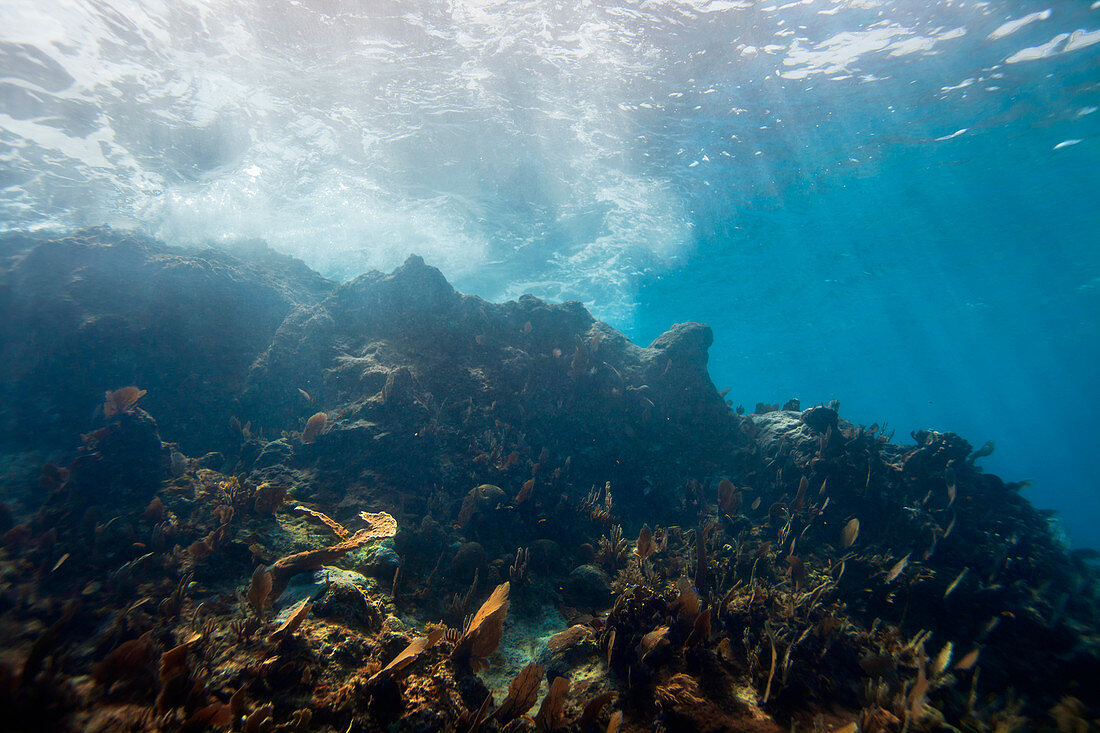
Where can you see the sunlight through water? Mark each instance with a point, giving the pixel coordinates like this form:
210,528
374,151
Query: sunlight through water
889,203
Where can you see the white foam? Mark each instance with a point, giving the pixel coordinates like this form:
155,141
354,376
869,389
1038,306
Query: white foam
518,145
839,53
953,135
1007,29
1081,39
1061,43
1034,53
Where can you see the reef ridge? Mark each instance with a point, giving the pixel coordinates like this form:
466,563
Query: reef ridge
239,496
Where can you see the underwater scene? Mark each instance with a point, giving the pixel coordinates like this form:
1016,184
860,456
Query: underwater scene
514,365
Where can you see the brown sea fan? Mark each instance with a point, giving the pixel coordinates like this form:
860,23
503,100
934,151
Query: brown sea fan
644,547
485,629
550,716
522,694
851,533
259,590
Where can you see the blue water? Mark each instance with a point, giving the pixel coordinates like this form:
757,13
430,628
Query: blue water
889,203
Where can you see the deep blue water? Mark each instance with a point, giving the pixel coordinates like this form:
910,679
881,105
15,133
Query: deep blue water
886,202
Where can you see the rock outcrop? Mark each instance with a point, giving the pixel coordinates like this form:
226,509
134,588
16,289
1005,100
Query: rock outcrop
98,310
410,370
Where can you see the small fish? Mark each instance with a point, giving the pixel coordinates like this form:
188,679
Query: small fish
755,504
969,660
305,394
955,583
899,566
950,526
949,478
989,626
942,660
59,562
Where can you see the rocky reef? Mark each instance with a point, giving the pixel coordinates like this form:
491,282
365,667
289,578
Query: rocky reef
238,496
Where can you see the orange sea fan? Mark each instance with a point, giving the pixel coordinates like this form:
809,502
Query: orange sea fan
314,427
382,525
337,528
121,400
651,641
415,648
297,616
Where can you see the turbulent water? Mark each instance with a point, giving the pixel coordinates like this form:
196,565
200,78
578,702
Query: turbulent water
888,203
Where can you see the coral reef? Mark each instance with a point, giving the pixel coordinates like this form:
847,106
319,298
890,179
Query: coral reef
239,497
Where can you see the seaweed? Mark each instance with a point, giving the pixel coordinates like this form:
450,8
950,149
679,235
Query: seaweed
802,571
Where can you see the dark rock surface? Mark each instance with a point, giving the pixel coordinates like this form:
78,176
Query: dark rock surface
100,309
402,361
128,463
409,368
588,586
